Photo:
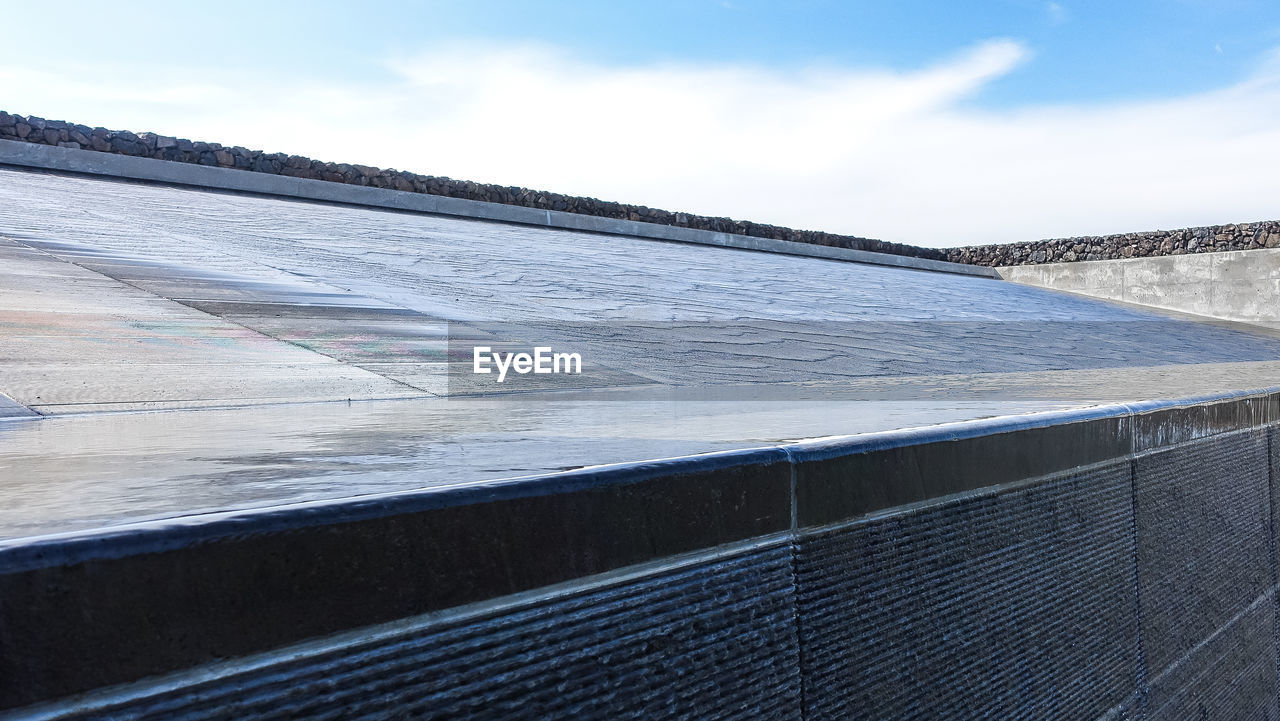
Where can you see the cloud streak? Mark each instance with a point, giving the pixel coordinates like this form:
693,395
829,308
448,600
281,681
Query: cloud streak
899,155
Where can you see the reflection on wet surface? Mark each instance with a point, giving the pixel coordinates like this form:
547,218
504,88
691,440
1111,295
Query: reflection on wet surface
86,470
317,340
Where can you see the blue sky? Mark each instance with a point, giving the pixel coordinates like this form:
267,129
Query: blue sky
1082,50
928,122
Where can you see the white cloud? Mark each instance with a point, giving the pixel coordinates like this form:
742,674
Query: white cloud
895,155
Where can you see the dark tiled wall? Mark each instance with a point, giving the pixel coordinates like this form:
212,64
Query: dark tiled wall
1232,675
1203,515
107,610
713,640
1010,605
1120,586
1141,589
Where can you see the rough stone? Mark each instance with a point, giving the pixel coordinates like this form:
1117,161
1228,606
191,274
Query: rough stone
1183,241
1235,236
125,146
180,150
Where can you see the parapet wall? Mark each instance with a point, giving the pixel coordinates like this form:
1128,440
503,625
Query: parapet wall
1235,236
1109,563
150,145
1238,286
31,129
1154,243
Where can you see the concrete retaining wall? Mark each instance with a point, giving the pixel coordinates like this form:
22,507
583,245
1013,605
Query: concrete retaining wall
56,133
1239,286
56,158
150,145
1118,562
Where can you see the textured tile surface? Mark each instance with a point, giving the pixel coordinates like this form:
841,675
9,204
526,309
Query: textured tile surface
1203,517
105,610
1231,675
712,641
1018,603
1013,605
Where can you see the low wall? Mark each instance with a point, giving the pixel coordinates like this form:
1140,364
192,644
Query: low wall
1239,286
150,145
122,167
31,129
1118,562
1149,244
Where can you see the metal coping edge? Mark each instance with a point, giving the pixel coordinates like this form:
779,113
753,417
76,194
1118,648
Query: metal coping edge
26,553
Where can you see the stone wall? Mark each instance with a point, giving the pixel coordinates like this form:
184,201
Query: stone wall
150,145
1236,236
1210,239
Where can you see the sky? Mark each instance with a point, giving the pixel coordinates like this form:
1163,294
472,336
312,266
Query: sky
933,123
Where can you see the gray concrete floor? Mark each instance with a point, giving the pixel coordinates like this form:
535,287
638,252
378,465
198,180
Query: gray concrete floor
168,351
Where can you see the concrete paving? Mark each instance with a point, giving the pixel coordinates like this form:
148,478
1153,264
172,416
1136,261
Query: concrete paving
192,351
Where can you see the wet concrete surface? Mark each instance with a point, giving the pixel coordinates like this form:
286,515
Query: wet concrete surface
12,409
193,351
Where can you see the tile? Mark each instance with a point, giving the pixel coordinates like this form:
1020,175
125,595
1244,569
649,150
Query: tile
1009,605
1203,519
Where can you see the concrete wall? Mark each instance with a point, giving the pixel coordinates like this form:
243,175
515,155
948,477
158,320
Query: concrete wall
117,166
1113,563
1240,286
58,133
